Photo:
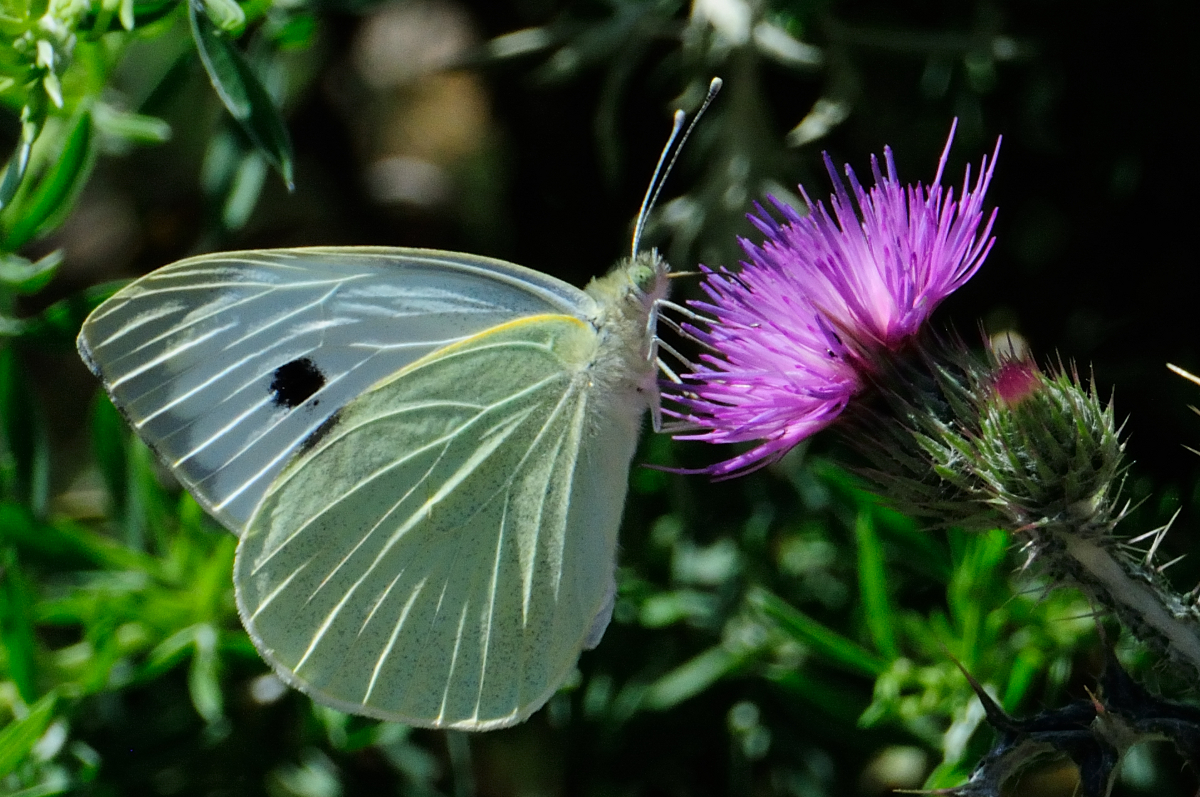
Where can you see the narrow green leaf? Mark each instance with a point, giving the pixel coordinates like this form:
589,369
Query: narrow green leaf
242,93
31,126
226,15
221,62
16,626
872,586
204,684
1024,671
833,647
66,543
947,775
23,435
55,191
668,608
130,15
297,33
125,13
58,325
109,443
832,699
150,510
691,678
18,737
978,573
923,551
209,582
133,127
244,191
21,275
169,652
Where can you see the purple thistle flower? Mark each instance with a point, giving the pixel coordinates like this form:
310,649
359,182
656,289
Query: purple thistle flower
791,336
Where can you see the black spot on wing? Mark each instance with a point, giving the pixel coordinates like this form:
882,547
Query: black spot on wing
295,382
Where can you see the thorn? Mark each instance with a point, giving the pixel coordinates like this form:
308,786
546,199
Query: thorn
1193,594
1185,374
1158,538
1172,562
1158,534
1132,541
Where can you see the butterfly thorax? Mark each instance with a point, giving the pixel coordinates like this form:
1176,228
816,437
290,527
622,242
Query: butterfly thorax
625,304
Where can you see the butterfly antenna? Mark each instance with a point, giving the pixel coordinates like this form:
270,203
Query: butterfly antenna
651,190
672,150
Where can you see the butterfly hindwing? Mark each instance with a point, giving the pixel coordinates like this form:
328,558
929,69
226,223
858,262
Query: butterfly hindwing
439,555
229,364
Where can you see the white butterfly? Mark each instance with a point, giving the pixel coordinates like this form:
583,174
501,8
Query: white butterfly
424,453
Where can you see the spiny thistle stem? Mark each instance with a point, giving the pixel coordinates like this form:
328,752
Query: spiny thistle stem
1151,611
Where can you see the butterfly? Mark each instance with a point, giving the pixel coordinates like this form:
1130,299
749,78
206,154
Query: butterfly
424,455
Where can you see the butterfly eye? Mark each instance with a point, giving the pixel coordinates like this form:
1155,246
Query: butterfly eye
295,383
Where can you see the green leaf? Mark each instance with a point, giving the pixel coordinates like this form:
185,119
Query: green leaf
133,127
226,15
16,625
130,15
204,684
691,678
31,126
668,608
109,442
50,199
209,581
297,33
1023,673
975,586
151,509
872,586
170,652
126,14
18,738
244,191
834,700
923,551
243,95
833,647
66,543
58,325
21,275
24,441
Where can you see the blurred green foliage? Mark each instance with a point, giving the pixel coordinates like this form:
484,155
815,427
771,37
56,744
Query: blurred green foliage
780,634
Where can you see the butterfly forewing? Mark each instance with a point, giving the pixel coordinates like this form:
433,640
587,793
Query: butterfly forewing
439,555
230,364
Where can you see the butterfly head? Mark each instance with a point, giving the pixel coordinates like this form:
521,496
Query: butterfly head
646,274
632,288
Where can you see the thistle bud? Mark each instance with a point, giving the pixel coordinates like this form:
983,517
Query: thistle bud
1047,450
1000,442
